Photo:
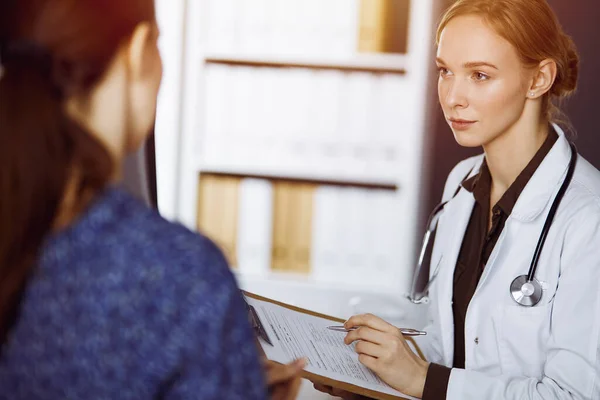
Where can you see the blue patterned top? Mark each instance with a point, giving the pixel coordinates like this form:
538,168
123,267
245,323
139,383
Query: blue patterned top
125,305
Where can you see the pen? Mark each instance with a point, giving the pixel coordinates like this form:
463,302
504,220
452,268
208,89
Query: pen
257,325
404,331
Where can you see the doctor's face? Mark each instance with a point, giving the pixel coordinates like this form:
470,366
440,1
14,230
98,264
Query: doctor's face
482,84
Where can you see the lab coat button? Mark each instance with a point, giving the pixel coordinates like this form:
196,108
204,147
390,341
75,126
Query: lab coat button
476,340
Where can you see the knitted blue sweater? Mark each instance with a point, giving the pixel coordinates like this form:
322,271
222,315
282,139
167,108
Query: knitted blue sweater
125,305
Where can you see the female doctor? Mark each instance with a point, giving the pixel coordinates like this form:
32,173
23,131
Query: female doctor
528,206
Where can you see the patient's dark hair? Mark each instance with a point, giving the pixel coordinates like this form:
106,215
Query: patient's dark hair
49,50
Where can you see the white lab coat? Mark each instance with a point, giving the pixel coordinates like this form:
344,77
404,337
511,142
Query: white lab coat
551,350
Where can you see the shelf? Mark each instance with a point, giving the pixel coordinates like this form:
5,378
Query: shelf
374,63
323,181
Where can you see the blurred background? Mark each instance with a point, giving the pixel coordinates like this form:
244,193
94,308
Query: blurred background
305,138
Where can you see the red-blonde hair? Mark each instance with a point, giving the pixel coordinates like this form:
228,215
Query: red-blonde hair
533,29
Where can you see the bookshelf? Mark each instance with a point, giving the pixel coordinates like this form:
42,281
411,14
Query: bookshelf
275,97
305,178
371,63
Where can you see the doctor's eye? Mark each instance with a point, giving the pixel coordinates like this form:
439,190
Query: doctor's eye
480,76
443,72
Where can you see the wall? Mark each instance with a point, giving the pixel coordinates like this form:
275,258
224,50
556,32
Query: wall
580,20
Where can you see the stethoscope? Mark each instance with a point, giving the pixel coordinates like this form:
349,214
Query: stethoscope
526,290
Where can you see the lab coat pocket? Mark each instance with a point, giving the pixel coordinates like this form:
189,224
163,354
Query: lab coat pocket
523,339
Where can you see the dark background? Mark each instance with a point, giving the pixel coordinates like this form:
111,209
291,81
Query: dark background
581,20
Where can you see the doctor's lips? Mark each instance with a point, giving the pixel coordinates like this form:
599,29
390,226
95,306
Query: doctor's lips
460,124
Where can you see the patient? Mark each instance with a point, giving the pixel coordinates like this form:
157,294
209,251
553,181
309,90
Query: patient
101,298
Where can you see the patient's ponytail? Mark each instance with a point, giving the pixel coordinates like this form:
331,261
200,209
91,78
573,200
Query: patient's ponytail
39,147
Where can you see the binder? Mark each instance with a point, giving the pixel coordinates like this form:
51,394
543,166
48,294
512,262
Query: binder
325,252
262,326
280,258
255,226
292,227
218,212
383,26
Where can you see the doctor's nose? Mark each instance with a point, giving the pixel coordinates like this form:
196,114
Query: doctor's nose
454,95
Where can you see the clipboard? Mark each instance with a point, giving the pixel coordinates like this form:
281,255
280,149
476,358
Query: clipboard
325,380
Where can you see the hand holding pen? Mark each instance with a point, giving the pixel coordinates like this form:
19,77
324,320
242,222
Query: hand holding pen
384,349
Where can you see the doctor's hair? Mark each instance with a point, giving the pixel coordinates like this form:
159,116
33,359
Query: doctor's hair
534,30
50,50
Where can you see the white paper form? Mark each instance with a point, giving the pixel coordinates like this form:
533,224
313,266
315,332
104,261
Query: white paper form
296,335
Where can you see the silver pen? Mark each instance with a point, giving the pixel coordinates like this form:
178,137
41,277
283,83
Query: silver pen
404,331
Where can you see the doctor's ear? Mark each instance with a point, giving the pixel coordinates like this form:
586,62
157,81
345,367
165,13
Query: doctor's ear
543,79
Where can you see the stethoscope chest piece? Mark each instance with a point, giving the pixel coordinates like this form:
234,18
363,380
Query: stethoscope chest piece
525,292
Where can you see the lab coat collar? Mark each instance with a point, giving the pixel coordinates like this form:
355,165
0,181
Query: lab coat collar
545,181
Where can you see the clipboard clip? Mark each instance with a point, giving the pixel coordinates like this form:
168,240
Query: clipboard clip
257,325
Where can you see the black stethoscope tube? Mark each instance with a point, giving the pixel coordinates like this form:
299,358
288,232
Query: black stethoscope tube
525,289
552,213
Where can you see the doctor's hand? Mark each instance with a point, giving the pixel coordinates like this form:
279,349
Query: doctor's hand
382,348
283,381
